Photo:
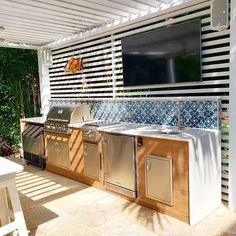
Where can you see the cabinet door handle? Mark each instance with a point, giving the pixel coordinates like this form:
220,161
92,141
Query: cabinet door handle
105,156
149,166
57,146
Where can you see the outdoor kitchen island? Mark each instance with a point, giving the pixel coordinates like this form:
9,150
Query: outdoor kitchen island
188,189
192,176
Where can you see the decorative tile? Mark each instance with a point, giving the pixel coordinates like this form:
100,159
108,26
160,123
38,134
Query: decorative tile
195,114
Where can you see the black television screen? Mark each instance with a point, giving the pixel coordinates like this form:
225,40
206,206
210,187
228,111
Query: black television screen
166,55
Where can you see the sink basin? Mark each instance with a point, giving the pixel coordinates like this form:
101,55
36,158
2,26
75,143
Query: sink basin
156,132
169,132
172,132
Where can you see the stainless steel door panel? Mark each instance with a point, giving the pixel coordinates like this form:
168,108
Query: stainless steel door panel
34,146
58,153
33,140
92,160
51,152
63,152
120,161
158,179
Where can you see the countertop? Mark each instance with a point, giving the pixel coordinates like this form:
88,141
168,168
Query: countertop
155,131
36,120
144,130
8,167
80,124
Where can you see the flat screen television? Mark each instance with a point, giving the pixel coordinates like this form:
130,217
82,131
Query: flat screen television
167,55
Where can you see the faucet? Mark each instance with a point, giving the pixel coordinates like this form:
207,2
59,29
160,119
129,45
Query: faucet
179,115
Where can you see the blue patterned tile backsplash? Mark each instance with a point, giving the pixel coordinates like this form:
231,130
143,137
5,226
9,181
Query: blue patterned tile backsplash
195,114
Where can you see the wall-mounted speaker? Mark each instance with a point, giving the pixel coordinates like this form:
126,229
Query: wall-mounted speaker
219,14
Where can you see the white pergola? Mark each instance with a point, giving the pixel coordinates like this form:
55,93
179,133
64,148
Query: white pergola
43,24
35,23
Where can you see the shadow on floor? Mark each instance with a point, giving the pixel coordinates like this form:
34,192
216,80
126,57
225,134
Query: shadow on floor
151,219
37,188
35,214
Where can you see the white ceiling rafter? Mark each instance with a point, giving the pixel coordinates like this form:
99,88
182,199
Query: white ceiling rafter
40,22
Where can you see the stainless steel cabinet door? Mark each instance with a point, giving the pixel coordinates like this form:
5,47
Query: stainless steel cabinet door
158,179
120,161
63,152
51,152
92,160
58,153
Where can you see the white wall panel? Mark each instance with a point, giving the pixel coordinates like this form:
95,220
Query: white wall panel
232,112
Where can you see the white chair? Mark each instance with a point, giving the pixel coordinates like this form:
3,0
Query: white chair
7,182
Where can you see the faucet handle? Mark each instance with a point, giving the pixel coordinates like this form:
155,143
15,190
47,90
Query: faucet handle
181,125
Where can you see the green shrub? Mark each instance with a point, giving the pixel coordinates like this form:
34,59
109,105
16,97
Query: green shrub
19,91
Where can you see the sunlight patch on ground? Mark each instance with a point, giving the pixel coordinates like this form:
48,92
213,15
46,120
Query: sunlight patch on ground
37,187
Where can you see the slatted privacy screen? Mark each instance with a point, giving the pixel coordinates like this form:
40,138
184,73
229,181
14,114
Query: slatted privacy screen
102,77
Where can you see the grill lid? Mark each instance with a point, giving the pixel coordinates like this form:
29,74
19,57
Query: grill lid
62,114
69,114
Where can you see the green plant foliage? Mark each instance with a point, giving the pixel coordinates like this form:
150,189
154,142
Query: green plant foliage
19,90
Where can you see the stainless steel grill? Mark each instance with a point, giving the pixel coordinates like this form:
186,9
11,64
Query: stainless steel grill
58,120
59,117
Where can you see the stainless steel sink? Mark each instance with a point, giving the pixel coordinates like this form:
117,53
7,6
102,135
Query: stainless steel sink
156,132
172,132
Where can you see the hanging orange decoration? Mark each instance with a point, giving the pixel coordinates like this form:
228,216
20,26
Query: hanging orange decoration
74,64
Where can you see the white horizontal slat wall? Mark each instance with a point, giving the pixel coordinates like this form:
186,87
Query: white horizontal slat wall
102,78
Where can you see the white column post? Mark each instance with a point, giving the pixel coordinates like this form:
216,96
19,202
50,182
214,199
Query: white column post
44,81
232,110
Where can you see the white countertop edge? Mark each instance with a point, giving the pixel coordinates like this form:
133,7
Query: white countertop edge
8,167
36,120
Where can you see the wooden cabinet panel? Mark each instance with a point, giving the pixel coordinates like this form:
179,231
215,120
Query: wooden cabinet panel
76,151
178,151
